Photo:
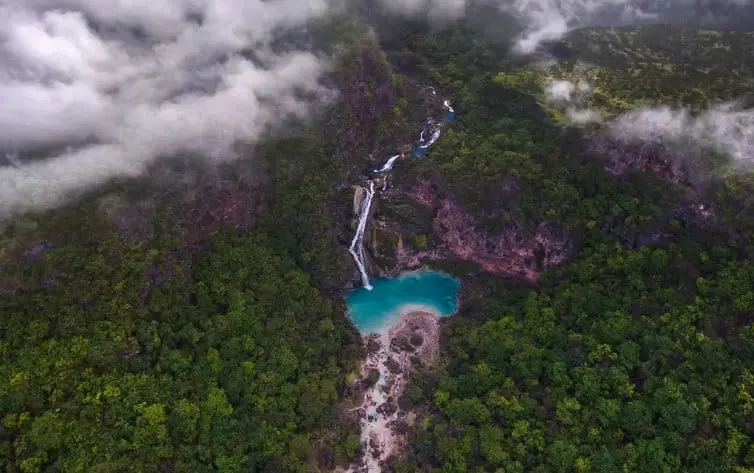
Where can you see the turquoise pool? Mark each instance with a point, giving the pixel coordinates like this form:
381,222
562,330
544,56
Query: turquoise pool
377,310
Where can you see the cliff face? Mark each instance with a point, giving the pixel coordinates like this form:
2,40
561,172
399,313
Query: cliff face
377,115
376,108
424,224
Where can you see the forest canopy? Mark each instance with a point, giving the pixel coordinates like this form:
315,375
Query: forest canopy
636,354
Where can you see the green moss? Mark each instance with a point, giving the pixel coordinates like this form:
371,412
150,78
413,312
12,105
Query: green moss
418,241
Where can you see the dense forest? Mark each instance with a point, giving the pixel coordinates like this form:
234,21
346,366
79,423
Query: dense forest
182,327
114,360
203,328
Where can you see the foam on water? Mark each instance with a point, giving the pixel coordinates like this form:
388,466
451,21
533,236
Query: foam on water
377,310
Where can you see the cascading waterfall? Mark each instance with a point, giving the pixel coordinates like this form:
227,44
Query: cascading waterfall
432,140
389,164
357,247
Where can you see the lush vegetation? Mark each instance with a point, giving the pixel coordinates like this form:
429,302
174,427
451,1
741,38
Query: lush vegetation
147,334
635,356
650,65
194,321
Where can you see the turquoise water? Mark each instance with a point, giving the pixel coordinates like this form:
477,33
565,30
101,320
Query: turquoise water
377,310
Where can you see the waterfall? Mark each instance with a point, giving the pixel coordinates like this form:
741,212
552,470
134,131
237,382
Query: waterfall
357,245
389,164
376,425
432,140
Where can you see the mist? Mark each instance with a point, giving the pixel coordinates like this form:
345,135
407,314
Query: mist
93,91
103,90
728,129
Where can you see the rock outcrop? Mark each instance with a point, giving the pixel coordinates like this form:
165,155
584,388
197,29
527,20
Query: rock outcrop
428,225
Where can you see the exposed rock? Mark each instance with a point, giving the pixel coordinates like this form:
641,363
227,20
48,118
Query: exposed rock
504,254
424,192
388,408
402,344
372,378
513,251
383,430
373,345
35,251
399,427
358,199
653,157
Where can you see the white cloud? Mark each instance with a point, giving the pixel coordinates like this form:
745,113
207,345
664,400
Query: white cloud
560,91
570,96
582,116
129,81
726,128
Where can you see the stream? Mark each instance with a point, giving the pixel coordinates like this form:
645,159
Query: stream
418,150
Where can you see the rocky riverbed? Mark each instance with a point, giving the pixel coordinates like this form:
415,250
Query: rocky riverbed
391,355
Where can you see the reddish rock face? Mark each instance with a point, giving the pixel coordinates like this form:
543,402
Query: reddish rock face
510,253
502,254
424,192
651,157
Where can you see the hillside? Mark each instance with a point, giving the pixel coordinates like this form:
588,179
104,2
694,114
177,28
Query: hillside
632,67
193,320
632,351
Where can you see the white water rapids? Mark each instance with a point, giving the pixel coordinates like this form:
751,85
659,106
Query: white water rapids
432,140
389,164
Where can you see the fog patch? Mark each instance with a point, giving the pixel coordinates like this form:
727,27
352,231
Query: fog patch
101,90
726,128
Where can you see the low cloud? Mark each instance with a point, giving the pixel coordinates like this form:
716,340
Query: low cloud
570,97
566,92
114,86
727,128
582,116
